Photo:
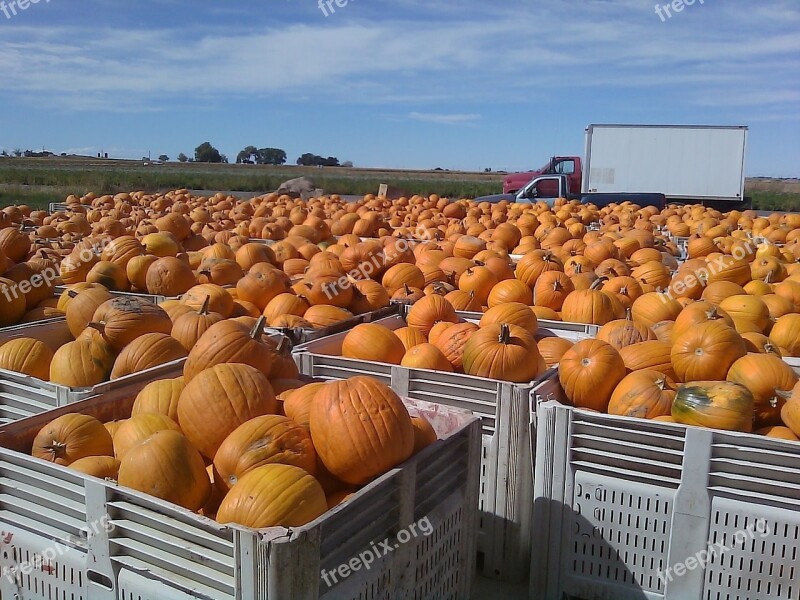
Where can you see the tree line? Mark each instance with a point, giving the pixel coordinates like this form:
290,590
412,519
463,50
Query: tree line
252,155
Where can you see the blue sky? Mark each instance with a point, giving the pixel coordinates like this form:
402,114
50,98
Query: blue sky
401,83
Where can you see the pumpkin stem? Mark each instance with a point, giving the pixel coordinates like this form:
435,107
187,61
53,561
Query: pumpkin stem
782,394
598,282
479,263
578,268
768,278
661,383
505,334
628,314
283,347
204,309
72,293
407,289
57,449
713,314
100,326
258,328
770,348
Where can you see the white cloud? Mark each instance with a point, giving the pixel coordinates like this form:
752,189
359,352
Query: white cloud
444,119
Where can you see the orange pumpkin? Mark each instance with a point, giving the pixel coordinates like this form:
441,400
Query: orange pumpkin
765,375
644,394
167,466
512,313
260,441
70,437
138,428
428,311
505,352
297,403
27,356
159,397
589,372
360,429
221,398
426,356
373,342
424,434
273,495
706,352
452,342
552,349
145,352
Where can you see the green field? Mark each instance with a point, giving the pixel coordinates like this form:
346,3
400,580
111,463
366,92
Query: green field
37,182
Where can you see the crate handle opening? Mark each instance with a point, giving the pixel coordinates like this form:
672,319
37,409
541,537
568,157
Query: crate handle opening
100,579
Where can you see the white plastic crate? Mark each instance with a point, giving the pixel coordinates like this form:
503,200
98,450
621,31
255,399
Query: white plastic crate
155,550
621,503
22,396
59,207
154,298
505,510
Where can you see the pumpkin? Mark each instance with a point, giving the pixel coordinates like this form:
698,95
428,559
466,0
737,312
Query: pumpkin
260,441
360,429
159,397
167,466
652,354
512,313
221,398
219,299
109,275
505,352
589,372
285,304
325,315
764,375
479,280
27,356
122,320
714,404
428,311
749,313
70,437
591,306
136,270
452,342
190,327
82,307
426,356
424,433
644,394
145,352
403,274
82,364
716,292
510,290
785,334
625,332
169,276
700,312
231,342
551,289
410,337
552,349
175,309
664,330
138,428
274,495
652,307
778,432
297,404
463,301
790,412
437,330
706,352
373,342
103,467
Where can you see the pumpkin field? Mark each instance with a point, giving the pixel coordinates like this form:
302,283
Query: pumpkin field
185,322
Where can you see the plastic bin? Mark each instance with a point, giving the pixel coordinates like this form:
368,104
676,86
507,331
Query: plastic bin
22,396
80,537
154,298
631,509
504,538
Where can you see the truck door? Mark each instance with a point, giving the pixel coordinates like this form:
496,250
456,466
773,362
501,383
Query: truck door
567,167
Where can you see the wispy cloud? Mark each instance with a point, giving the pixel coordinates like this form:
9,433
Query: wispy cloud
443,119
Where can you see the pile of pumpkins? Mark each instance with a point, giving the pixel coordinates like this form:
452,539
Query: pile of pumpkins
220,442
503,345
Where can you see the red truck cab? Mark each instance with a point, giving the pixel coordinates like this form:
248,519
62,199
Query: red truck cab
570,166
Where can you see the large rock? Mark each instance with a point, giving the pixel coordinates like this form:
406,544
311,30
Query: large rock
301,187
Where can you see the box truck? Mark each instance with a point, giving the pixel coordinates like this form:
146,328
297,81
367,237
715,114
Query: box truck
686,163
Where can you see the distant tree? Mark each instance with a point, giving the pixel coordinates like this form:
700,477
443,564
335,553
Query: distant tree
223,159
4,153
348,164
313,160
270,156
247,155
182,157
17,152
163,158
206,153
191,159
